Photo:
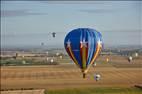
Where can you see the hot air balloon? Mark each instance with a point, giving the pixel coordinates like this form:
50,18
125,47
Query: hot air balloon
97,77
136,54
52,60
130,58
83,45
107,60
53,34
42,44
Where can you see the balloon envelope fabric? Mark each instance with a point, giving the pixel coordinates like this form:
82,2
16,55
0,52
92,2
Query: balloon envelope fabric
83,45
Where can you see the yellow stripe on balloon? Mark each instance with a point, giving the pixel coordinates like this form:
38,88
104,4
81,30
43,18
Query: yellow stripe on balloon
84,58
95,56
70,51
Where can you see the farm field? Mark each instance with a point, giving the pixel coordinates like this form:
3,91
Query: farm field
67,77
100,90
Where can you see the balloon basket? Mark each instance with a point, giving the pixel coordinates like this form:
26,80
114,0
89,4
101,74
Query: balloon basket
84,75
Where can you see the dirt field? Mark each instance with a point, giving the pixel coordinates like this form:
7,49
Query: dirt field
67,76
117,73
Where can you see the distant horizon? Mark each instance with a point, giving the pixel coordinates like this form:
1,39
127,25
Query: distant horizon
62,47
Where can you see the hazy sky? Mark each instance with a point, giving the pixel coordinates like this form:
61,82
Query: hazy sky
28,23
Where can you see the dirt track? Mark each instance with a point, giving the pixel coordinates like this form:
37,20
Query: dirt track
67,76
39,91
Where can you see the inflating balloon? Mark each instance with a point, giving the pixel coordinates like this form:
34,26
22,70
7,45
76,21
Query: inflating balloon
83,45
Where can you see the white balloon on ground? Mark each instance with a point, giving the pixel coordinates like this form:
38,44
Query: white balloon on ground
51,60
61,57
136,54
57,54
107,59
47,58
97,77
130,58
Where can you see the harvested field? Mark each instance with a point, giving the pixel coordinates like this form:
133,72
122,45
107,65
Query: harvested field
116,75
67,76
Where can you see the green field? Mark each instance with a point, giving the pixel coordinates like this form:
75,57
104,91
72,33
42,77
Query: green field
132,90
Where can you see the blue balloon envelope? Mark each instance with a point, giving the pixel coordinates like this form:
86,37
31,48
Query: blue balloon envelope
83,45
